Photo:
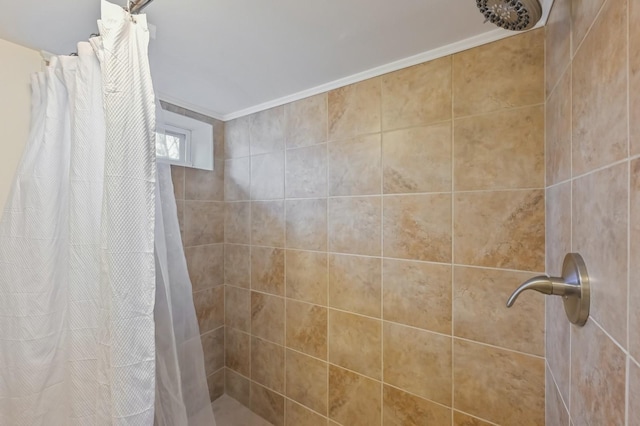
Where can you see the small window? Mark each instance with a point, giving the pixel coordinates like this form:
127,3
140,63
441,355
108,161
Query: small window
173,145
184,141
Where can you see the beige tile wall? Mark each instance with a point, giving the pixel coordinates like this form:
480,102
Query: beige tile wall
200,201
593,207
372,237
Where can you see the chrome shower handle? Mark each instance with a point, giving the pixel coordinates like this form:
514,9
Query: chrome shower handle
573,286
544,284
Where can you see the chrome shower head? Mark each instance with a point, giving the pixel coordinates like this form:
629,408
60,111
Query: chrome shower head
514,15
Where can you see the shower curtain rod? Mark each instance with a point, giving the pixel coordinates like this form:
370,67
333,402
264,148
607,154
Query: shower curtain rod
135,6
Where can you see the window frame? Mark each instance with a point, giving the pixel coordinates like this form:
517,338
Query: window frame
198,140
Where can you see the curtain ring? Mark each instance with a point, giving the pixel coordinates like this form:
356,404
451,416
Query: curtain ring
128,9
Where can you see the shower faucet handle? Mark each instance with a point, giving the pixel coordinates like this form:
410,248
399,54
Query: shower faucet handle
544,284
573,286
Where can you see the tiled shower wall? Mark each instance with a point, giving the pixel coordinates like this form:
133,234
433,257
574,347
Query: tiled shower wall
372,237
593,207
200,203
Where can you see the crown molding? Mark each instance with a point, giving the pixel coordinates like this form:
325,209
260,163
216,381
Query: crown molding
469,43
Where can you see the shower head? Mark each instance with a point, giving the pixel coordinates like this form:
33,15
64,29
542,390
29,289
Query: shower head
514,15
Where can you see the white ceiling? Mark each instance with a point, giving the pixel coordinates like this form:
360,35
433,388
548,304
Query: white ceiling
228,58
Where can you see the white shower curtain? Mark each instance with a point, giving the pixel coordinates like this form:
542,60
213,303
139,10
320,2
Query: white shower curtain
182,396
84,253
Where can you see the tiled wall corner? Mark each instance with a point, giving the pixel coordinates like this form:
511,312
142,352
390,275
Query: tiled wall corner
200,203
592,207
372,234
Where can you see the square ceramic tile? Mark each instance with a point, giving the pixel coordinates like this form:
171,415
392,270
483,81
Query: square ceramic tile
267,176
355,166
488,379
267,404
267,131
267,364
237,179
355,225
558,42
237,222
418,294
418,227
296,414
418,361
267,223
353,399
599,91
476,90
238,308
306,172
205,265
417,95
237,386
237,351
634,258
306,121
600,226
306,224
417,159
237,265
205,185
203,223
501,229
307,381
306,328
555,409
401,408
355,284
237,137
355,343
481,293
354,110
500,150
306,277
267,270
209,305
267,317
597,377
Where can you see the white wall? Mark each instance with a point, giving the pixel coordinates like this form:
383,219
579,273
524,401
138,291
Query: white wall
17,63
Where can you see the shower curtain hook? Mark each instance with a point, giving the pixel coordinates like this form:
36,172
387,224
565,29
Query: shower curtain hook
128,9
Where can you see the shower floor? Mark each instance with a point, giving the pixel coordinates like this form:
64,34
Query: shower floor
230,412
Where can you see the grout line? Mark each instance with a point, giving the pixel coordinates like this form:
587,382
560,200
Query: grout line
547,96
251,373
461,265
629,177
586,34
627,395
398,194
495,111
544,177
600,169
624,351
557,83
326,283
284,255
633,360
381,225
453,411
571,212
555,384
629,260
453,239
